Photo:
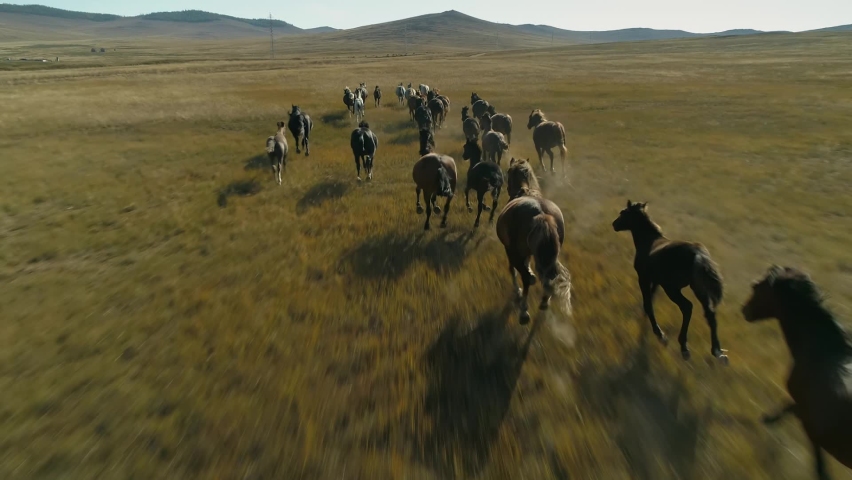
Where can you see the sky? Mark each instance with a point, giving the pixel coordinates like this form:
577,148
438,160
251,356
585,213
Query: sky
700,16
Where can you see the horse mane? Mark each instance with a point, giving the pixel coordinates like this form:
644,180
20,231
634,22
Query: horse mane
537,113
521,171
802,296
364,124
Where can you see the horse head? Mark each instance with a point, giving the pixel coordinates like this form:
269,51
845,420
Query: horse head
536,118
472,152
633,216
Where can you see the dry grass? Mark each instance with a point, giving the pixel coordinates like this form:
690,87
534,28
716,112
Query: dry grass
152,330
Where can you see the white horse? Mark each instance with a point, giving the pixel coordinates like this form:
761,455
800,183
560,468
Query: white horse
358,107
400,94
424,89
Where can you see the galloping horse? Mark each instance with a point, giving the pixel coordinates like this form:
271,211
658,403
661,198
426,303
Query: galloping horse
470,126
438,111
377,97
364,144
493,142
435,176
521,179
547,135
277,149
300,126
534,227
501,122
358,108
820,381
483,177
400,94
673,265
348,99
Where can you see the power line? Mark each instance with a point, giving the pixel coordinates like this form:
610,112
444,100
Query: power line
271,39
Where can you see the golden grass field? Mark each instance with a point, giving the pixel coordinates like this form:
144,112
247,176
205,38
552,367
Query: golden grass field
158,324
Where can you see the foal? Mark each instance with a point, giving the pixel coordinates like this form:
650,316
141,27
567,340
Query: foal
820,381
277,149
673,265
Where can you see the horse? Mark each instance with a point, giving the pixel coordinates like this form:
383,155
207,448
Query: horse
300,126
446,101
410,92
474,97
348,99
480,108
470,126
437,109
377,97
493,142
413,104
364,144
673,265
358,108
361,91
820,381
501,122
423,117
427,142
424,89
400,93
521,180
534,227
435,176
277,149
483,177
546,135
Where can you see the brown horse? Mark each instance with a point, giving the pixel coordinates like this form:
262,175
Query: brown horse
483,177
438,111
501,122
377,96
534,227
521,180
277,149
546,136
435,176
493,143
672,265
470,126
414,102
820,382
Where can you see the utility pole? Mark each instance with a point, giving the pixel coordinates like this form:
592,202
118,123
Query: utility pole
406,38
271,38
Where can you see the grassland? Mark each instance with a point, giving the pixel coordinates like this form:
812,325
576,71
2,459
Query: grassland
156,323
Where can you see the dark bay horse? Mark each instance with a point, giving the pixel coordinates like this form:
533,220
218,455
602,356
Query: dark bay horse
673,265
820,382
277,149
300,126
483,177
377,96
427,142
501,122
414,102
438,111
546,136
435,176
423,117
521,180
364,144
533,227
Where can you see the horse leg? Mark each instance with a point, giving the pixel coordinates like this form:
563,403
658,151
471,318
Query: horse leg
297,144
467,200
419,207
686,309
648,290
819,460
358,166
432,202
446,211
563,151
540,152
307,142
522,265
429,207
495,197
480,196
550,154
499,156
771,418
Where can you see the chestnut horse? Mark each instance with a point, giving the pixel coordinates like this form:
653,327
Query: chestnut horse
672,265
435,176
820,382
533,227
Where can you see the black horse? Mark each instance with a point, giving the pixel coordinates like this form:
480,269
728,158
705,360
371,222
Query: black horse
423,117
364,145
300,126
427,142
483,177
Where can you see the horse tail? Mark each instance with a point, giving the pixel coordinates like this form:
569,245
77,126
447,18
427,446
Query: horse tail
270,145
503,144
562,134
545,229
706,279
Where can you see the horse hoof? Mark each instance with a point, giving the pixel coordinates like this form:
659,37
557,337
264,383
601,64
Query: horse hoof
475,224
723,359
436,210
469,209
524,318
519,293
663,338
544,306
533,279
370,176
443,224
426,227
359,179
486,208
419,210
685,354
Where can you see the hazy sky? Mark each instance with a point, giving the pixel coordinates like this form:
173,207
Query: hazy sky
692,15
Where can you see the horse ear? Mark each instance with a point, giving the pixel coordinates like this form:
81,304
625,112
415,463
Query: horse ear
643,206
629,203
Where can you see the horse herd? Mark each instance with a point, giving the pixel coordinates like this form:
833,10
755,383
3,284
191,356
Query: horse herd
531,226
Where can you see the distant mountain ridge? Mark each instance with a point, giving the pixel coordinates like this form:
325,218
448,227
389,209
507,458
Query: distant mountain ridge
450,30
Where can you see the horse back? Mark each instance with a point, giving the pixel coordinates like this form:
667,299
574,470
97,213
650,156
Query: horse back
549,134
426,169
671,262
516,222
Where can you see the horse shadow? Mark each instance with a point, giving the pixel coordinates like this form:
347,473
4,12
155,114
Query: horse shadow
650,413
471,379
336,119
258,162
244,188
390,256
321,193
399,126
